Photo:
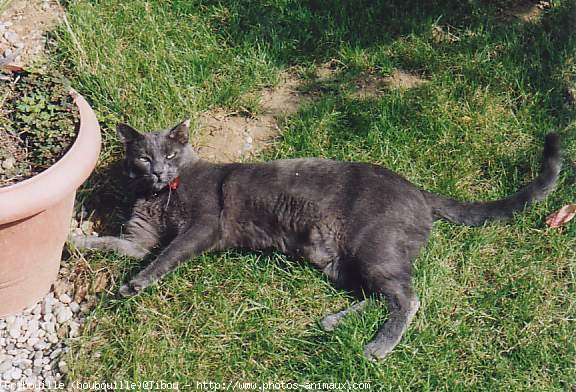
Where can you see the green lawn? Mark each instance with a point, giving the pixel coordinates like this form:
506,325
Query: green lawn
498,301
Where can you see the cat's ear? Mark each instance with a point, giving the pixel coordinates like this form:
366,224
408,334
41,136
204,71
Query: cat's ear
127,134
180,132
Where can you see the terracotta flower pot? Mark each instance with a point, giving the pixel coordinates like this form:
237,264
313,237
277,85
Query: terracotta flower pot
35,218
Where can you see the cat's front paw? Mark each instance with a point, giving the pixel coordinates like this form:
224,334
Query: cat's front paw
130,289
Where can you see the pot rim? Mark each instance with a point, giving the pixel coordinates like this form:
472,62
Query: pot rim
37,193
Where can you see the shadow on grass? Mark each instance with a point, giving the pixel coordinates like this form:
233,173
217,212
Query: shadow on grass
315,31
107,198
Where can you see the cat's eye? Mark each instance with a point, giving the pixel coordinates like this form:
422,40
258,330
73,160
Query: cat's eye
144,159
171,155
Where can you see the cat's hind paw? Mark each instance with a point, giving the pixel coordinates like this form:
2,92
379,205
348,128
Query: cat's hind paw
378,350
129,290
330,322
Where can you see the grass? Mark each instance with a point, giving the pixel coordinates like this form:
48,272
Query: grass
498,302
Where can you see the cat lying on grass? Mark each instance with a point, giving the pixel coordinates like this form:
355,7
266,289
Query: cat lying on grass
360,224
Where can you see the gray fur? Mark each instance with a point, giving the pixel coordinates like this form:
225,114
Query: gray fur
360,224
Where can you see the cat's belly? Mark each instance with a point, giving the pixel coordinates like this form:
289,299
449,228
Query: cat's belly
309,242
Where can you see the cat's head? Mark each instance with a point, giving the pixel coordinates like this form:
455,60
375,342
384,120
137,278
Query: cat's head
153,159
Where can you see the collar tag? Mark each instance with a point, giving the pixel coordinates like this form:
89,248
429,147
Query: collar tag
174,183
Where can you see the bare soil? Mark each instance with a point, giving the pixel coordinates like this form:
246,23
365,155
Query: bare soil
29,20
527,11
227,137
369,86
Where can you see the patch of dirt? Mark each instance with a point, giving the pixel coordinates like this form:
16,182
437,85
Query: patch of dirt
526,10
326,72
23,28
227,137
403,79
370,86
366,85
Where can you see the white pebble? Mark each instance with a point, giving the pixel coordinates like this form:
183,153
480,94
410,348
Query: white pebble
14,333
49,327
16,373
32,341
24,364
52,338
65,298
74,307
32,326
6,364
63,366
37,309
11,36
55,353
7,375
64,315
19,321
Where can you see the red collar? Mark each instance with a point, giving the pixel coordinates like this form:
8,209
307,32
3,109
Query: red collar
174,183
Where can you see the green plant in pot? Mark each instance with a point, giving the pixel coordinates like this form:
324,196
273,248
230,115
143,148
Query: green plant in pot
49,144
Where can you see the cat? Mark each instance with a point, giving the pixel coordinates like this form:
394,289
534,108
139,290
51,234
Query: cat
359,223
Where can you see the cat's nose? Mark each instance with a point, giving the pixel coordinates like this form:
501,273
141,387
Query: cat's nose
157,172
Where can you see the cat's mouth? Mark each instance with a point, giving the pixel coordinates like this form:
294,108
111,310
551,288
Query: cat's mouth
153,182
158,184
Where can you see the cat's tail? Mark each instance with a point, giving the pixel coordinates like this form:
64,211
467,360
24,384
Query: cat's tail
476,213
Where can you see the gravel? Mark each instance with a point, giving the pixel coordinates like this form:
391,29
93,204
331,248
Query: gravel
27,351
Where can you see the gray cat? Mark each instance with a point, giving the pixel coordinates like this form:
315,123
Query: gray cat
360,224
